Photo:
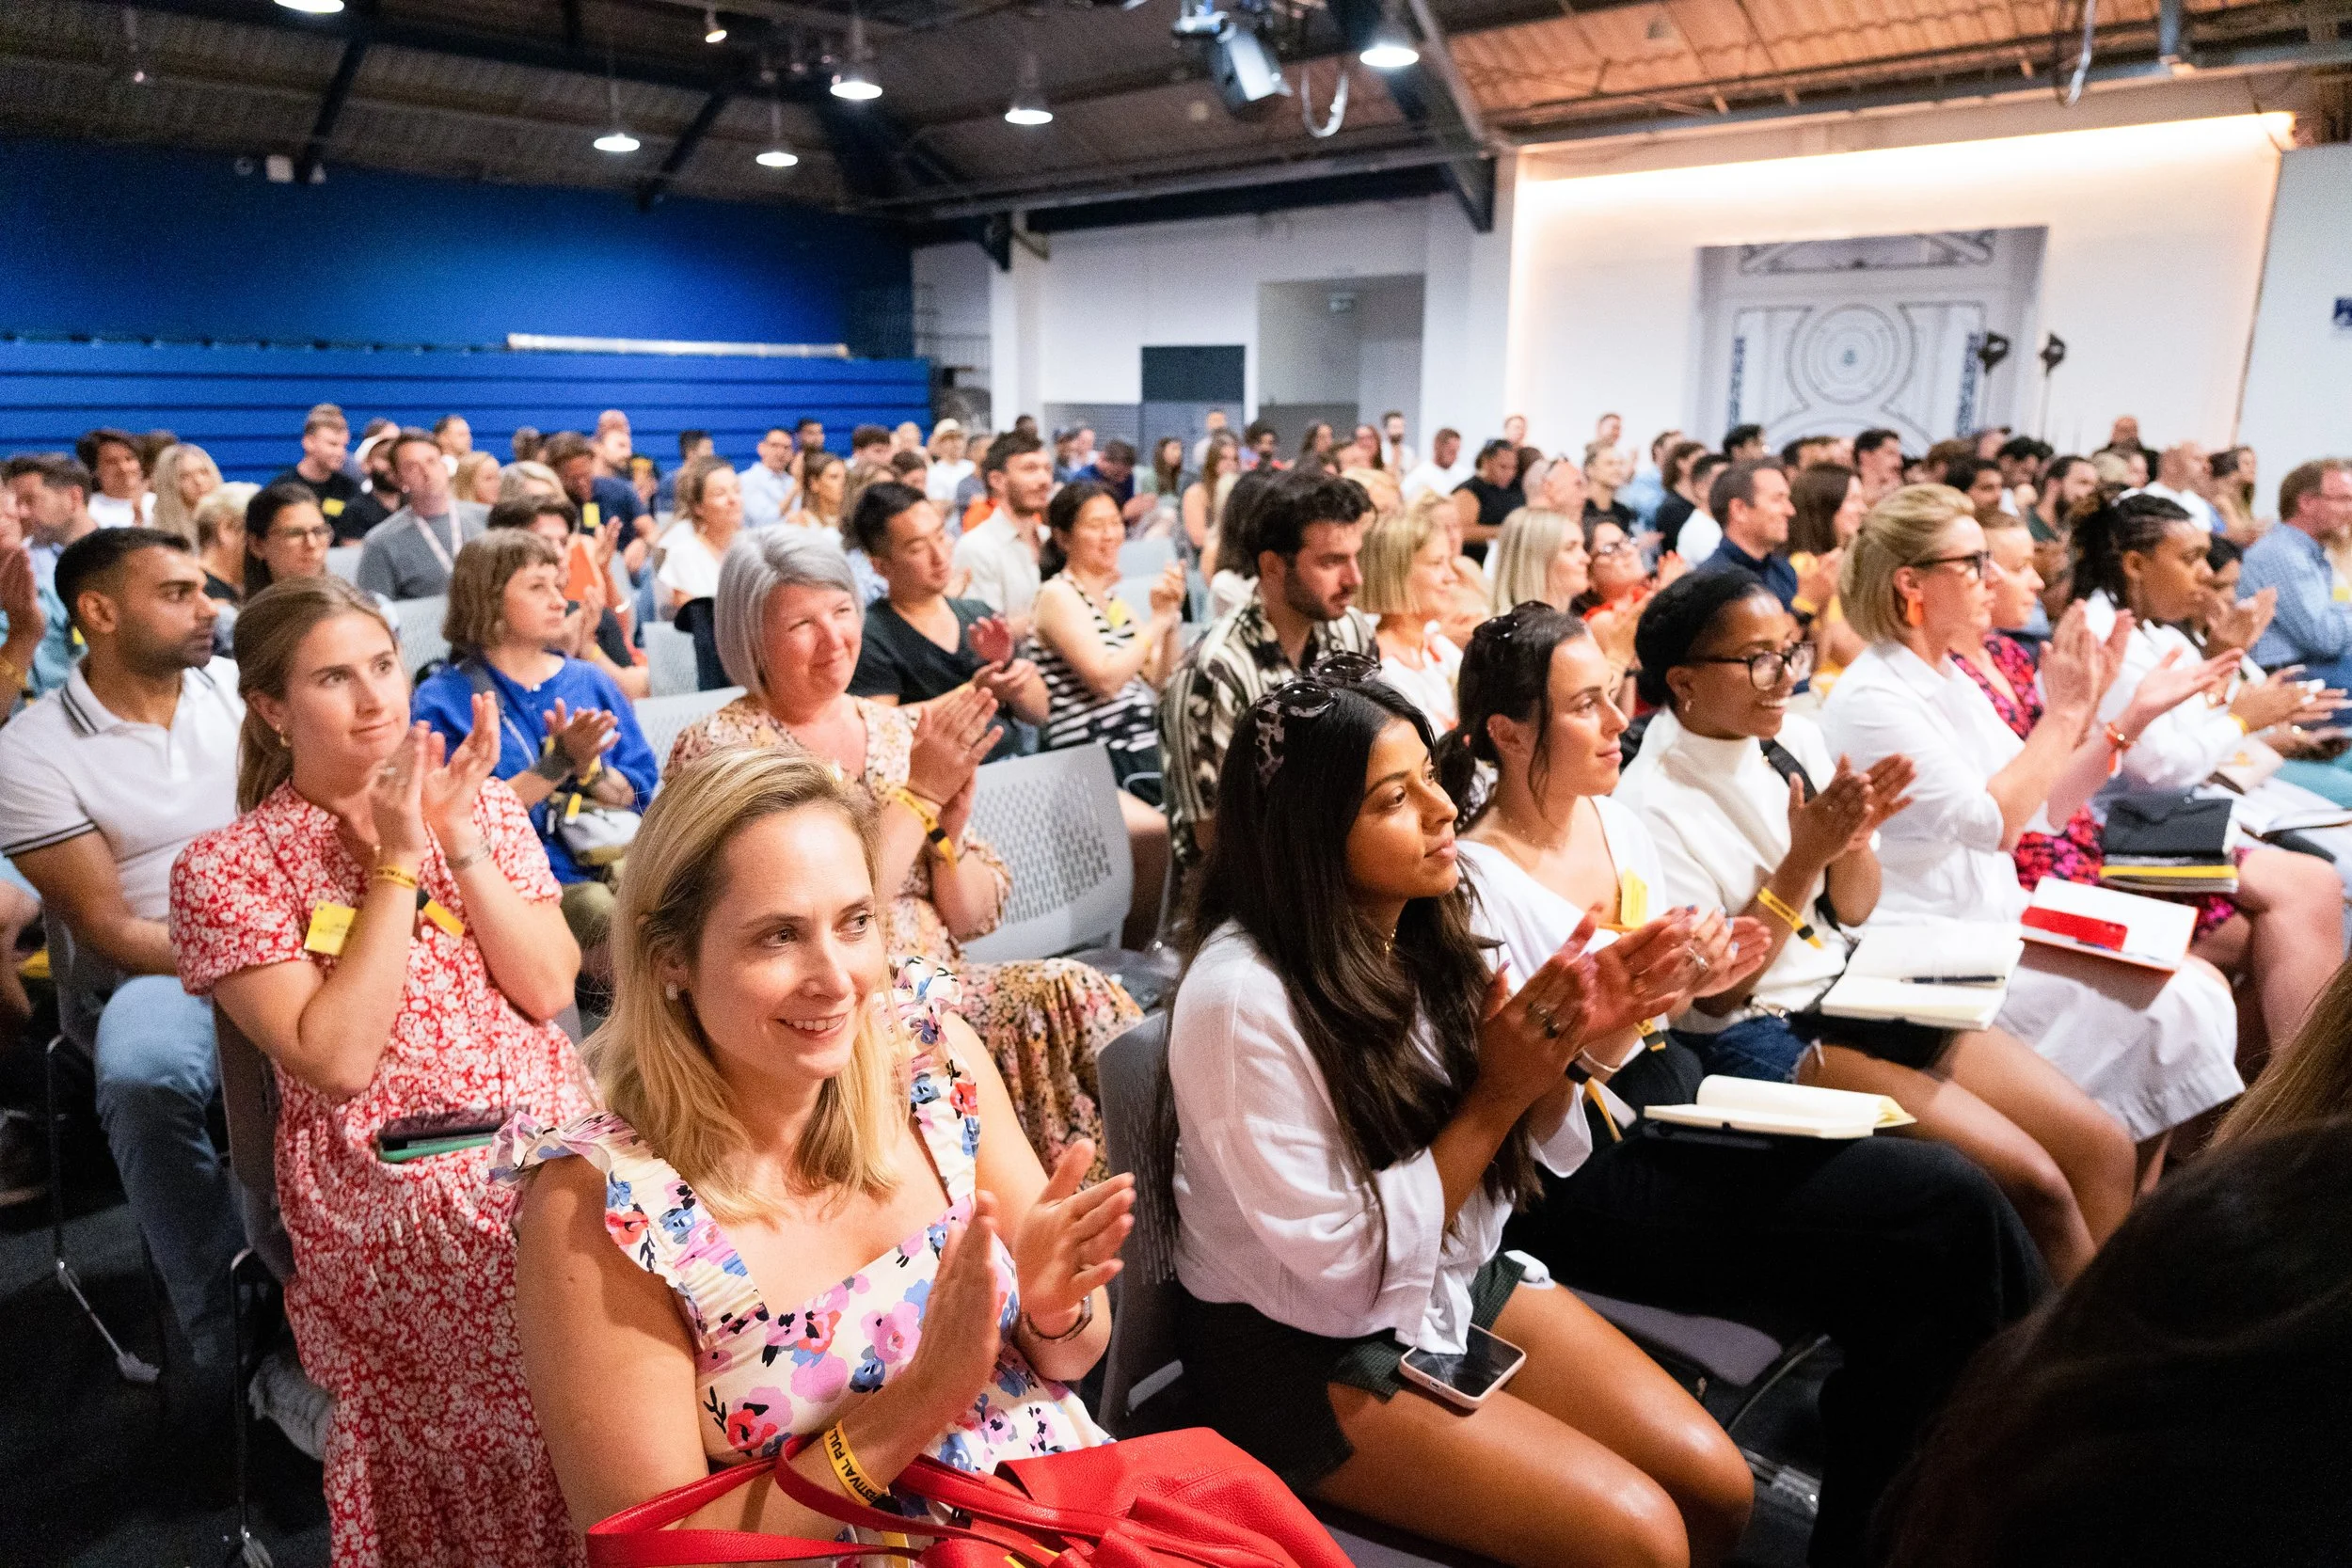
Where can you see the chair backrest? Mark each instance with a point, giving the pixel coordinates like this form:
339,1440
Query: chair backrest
670,659
82,981
249,1102
420,624
662,717
1054,819
1142,1357
1136,592
344,561
1143,558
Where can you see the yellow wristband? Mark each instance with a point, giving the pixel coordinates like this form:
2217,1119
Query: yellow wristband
932,832
2243,727
853,1478
1778,909
394,874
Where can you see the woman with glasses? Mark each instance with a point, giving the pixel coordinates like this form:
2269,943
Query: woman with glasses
1752,814
2153,1050
1902,1251
287,537
1359,1101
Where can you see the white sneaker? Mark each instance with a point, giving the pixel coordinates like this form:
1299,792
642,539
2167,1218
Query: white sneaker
283,1393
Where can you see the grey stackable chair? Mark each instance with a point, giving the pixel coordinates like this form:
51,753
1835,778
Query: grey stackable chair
248,1097
419,623
344,561
670,659
662,718
1143,558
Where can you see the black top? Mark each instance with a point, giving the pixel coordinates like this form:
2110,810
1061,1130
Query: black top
1672,513
350,510
1495,501
1615,512
897,660
216,589
1772,570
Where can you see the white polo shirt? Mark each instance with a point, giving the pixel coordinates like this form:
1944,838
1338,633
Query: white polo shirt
73,768
1003,573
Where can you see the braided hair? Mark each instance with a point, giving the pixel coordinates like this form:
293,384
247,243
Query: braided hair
2135,524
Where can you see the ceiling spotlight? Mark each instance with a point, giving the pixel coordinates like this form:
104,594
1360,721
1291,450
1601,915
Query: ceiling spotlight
1392,46
314,8
855,80
615,140
1028,103
777,156
714,30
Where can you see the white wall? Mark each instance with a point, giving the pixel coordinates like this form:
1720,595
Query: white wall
2298,380
2156,245
1071,328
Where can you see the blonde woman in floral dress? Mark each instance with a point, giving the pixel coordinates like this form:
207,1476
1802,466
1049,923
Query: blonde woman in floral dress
809,1209
789,630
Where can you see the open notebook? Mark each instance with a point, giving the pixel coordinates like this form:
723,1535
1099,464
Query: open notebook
1793,1110
1944,974
2125,926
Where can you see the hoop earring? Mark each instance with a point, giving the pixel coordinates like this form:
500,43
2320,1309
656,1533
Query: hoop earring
1914,611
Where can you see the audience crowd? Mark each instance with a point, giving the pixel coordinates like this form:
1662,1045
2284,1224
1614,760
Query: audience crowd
638,1108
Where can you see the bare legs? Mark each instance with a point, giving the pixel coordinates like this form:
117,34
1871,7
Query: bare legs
2292,907
2065,1164
1606,1461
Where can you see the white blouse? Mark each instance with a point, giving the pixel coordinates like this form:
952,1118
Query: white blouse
1941,856
688,565
1270,1214
1718,812
2182,746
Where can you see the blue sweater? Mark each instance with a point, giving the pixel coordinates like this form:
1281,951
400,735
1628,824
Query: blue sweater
446,703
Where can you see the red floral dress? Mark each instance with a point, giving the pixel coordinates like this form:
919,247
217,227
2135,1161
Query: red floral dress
2074,855
403,1298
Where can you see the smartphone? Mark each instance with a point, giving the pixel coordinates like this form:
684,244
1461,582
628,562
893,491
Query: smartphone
431,1133
1467,1380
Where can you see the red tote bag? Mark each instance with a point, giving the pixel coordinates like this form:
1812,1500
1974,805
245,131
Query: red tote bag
1174,1499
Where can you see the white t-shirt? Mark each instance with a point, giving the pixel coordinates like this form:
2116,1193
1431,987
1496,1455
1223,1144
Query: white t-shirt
1269,1212
941,483
107,511
1428,476
1431,687
72,767
1701,536
688,565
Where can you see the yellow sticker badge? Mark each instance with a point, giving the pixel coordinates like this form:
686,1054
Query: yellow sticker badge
330,924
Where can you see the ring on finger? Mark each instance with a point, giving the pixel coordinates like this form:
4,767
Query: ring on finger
1540,1013
1699,959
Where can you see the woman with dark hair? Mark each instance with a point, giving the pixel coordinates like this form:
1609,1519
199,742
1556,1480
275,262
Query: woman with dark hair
1316,443
1231,556
1752,814
1828,498
2145,555
1674,474
285,536
2183,1402
1903,1251
1359,1103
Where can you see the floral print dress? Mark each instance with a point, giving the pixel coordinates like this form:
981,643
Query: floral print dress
2073,854
1043,1020
403,1297
763,1374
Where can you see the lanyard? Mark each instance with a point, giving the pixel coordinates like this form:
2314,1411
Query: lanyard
433,540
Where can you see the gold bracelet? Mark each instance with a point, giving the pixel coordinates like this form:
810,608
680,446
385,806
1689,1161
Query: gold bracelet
853,1477
12,678
389,873
1778,909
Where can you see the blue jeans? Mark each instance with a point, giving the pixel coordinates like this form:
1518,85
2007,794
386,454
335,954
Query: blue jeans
156,1075
1762,1047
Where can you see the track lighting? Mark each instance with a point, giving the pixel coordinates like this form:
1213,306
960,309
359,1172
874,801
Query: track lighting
1028,103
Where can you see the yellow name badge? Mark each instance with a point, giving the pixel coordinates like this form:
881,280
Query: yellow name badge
591,515
2344,592
1633,901
329,924
441,917
1116,614
332,507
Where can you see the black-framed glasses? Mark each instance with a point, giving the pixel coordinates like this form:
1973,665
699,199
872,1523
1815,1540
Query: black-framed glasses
1766,670
1974,563
1305,696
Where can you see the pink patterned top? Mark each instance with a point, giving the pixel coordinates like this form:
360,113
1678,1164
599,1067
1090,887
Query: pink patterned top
763,1375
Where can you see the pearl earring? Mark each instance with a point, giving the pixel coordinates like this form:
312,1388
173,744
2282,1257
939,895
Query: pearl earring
670,991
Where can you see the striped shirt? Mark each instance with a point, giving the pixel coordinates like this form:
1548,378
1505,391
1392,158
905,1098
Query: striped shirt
1077,715
1236,661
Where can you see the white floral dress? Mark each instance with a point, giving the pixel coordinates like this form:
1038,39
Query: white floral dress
763,1375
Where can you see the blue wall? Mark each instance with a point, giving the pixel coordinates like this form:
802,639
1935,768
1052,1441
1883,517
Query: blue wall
133,242
245,405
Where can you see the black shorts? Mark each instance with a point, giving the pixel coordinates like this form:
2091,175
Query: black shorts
1266,1385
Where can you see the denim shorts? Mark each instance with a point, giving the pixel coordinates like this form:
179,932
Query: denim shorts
1761,1047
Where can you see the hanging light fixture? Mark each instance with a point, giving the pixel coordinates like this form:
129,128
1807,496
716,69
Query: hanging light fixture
615,140
1028,103
1392,46
714,30
777,156
855,80
314,8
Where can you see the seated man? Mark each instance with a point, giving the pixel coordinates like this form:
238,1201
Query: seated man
408,555
133,757
1310,527
2313,627
53,500
920,644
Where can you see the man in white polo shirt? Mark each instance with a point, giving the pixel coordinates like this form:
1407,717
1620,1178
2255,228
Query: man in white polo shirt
106,779
1001,552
